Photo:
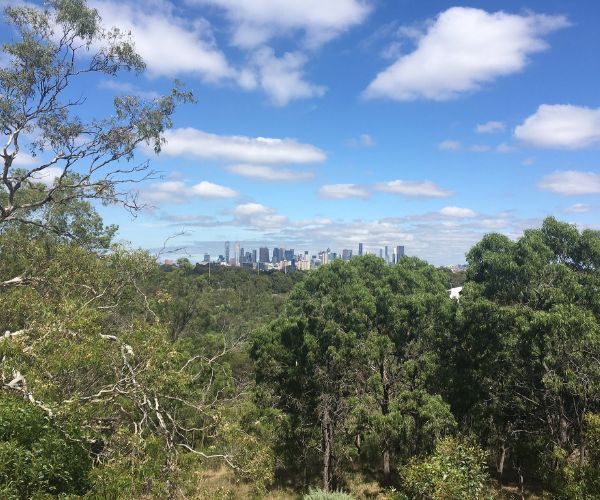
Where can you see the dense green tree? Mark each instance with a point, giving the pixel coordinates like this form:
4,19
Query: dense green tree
74,158
529,342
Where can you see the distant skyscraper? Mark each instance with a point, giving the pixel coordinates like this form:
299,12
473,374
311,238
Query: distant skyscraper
346,254
206,257
237,254
227,252
263,254
387,255
360,249
242,256
276,257
289,254
399,252
254,256
381,253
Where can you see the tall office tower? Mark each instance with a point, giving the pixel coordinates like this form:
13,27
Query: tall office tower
206,257
399,252
276,257
324,257
227,252
263,254
360,249
242,255
381,253
253,256
289,254
346,254
236,255
387,255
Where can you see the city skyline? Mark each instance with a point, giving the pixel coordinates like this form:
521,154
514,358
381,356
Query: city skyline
284,257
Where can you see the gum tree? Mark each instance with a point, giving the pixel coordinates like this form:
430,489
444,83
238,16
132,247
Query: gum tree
51,154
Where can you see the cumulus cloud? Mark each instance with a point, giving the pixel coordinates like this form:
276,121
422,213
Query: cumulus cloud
183,47
571,182
269,174
180,192
462,49
236,148
255,22
282,78
414,189
578,208
342,191
561,126
258,216
449,145
458,212
490,127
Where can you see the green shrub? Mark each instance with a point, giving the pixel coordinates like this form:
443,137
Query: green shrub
36,457
455,471
319,494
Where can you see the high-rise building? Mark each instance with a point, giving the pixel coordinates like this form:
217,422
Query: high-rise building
263,254
289,254
346,254
242,255
254,260
387,255
324,257
227,252
360,249
276,257
399,252
236,255
206,257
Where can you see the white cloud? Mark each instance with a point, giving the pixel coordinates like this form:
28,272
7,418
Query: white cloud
250,209
281,78
578,208
265,173
416,189
342,191
127,89
490,127
458,212
48,175
25,160
180,192
463,49
561,126
480,148
255,150
571,182
449,145
170,45
257,216
257,21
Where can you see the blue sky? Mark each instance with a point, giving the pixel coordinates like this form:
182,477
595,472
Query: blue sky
328,123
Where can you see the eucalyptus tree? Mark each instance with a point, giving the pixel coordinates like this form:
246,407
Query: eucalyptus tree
51,153
530,320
